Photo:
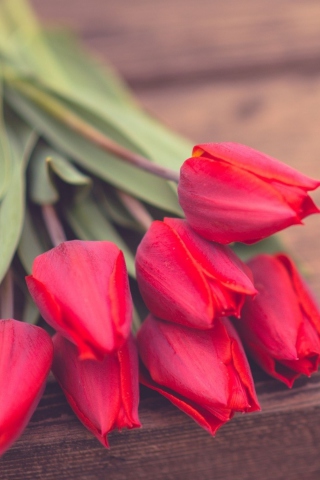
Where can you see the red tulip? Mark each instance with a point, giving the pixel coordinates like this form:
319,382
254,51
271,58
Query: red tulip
205,373
232,193
82,291
186,279
103,394
25,359
280,327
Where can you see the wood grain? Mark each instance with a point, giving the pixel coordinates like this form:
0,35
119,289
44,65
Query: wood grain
244,71
180,40
280,443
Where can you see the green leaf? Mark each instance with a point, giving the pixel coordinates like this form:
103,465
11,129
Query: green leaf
140,184
87,78
45,164
12,204
113,207
30,245
41,186
89,223
269,245
26,44
66,171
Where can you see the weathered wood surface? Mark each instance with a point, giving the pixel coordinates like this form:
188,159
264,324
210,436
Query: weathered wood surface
281,443
244,71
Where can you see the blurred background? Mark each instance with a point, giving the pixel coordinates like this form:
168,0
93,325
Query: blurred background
219,70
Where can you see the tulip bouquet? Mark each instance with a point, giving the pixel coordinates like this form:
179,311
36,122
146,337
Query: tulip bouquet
90,191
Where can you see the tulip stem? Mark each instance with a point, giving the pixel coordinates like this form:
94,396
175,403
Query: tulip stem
136,322
136,209
6,296
53,225
66,116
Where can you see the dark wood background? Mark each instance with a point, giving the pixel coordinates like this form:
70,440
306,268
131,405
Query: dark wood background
213,70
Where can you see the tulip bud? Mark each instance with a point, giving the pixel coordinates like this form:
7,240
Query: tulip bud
26,354
82,291
232,193
280,327
186,279
205,373
103,394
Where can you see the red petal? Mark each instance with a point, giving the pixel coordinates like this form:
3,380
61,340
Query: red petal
25,359
196,368
203,417
256,162
217,261
225,205
103,394
171,283
74,286
273,317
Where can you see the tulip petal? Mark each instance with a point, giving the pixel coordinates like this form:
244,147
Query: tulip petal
273,318
25,359
103,394
224,205
243,379
306,301
217,261
82,290
230,192
188,280
170,283
203,417
200,371
279,327
256,162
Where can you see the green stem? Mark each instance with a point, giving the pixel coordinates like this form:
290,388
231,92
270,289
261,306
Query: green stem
53,225
136,209
136,322
6,296
75,123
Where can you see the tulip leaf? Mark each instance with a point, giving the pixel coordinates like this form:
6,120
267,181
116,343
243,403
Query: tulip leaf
270,245
30,49
12,204
46,162
89,80
100,92
41,186
30,244
66,170
143,185
113,207
89,223
5,163
20,140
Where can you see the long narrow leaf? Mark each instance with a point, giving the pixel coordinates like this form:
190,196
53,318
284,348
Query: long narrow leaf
12,204
143,185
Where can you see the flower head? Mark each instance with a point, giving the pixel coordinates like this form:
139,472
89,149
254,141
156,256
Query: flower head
205,373
186,279
280,327
103,394
26,353
81,289
232,193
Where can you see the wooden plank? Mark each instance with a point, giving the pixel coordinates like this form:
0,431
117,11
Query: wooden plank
180,40
283,441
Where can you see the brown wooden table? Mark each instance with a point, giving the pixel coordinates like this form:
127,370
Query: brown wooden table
214,70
